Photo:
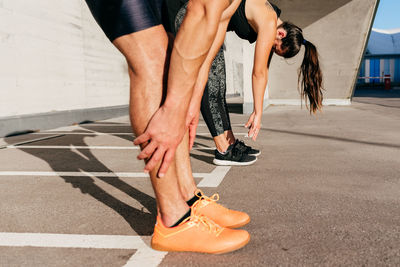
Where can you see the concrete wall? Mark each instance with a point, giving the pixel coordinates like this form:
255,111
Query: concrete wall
339,29
56,61
55,58
233,50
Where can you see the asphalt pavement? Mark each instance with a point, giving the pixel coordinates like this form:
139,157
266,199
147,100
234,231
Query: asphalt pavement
324,192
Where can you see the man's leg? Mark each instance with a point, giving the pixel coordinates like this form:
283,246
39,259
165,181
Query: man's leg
184,170
146,53
193,41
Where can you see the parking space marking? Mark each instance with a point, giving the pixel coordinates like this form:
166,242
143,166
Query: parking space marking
97,133
212,179
77,147
127,124
92,147
31,140
144,256
81,133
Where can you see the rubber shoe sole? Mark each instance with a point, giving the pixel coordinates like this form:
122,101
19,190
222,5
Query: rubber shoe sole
226,250
239,224
198,234
255,154
220,162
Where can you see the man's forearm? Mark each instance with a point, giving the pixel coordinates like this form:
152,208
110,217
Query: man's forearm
191,47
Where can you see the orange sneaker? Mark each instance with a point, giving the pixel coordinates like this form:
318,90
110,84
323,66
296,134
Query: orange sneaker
198,234
225,217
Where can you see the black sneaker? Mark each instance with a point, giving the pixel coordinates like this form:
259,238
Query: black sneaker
247,149
233,157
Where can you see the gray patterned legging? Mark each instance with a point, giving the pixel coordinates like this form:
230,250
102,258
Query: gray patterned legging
213,104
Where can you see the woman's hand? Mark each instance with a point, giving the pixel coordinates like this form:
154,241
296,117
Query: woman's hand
254,123
164,133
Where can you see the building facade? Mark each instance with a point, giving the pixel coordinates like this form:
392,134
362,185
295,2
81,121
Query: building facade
382,58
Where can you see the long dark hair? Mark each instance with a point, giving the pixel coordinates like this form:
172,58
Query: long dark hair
310,75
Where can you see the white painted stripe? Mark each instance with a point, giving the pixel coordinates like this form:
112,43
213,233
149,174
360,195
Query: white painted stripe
82,133
70,241
32,140
367,69
144,254
212,179
233,125
103,124
99,134
95,147
78,147
75,174
82,126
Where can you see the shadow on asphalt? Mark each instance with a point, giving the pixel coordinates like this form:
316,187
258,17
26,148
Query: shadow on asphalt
332,138
68,160
203,158
377,93
204,137
373,96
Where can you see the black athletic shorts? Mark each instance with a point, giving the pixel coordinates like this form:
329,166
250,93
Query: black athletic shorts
120,17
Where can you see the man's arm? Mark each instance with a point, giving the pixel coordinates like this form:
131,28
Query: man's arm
194,107
193,41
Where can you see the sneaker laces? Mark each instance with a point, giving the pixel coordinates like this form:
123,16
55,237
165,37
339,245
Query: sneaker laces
201,196
242,145
205,200
237,152
202,220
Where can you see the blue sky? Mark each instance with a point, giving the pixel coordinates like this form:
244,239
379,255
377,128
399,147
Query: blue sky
388,15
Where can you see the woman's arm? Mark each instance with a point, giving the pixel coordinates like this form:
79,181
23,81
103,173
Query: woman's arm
262,17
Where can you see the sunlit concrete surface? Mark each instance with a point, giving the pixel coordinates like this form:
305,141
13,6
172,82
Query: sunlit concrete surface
325,191
339,30
70,72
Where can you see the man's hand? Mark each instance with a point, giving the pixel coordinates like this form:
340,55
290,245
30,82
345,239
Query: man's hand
254,123
164,133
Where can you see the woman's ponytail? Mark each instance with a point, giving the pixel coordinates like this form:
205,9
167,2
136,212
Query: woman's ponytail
310,77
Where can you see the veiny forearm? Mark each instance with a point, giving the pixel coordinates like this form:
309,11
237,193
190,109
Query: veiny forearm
191,47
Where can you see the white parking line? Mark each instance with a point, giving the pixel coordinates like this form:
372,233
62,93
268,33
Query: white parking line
31,140
127,124
97,133
144,256
93,147
78,147
82,133
212,179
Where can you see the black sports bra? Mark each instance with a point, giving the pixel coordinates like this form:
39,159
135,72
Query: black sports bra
241,26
